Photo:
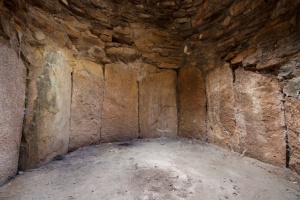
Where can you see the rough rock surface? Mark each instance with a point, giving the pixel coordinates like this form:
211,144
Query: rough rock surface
191,103
12,100
221,125
259,117
292,114
86,108
164,35
157,105
120,106
46,133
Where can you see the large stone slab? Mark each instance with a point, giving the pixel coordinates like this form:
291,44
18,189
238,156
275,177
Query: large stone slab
120,107
221,112
292,113
259,117
192,103
86,108
46,133
12,102
158,109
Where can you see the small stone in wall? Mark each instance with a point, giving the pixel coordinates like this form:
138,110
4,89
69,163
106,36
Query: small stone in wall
226,21
39,35
292,89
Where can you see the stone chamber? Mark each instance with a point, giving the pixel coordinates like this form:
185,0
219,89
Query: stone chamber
76,73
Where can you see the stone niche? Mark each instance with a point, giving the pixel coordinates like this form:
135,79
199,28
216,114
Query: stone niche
12,101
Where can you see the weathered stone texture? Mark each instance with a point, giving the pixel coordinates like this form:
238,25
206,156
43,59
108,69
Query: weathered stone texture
167,35
192,103
221,112
86,108
157,101
12,99
259,117
48,112
292,113
120,107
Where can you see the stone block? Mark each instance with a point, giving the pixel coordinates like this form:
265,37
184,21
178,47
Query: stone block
294,145
86,108
120,107
46,133
292,114
12,102
292,88
157,101
259,117
221,112
192,103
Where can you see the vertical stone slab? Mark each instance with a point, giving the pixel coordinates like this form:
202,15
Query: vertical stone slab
192,103
221,112
120,107
86,108
12,101
48,112
158,110
292,113
259,117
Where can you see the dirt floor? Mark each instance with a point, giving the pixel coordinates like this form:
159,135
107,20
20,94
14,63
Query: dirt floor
154,169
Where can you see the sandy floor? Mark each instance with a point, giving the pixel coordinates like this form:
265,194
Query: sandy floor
154,169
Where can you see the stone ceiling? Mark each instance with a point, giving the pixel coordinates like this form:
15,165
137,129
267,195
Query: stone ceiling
220,27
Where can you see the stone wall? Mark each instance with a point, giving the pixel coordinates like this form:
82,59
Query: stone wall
221,125
120,106
46,132
192,103
158,105
12,100
86,104
84,72
107,71
260,117
250,106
